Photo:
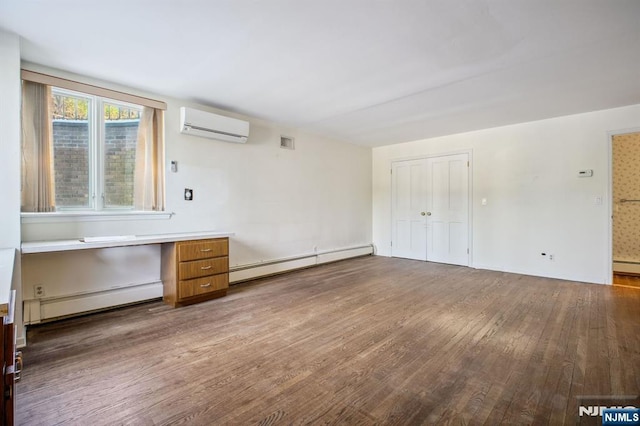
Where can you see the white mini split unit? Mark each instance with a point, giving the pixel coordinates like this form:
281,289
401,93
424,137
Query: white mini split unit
209,125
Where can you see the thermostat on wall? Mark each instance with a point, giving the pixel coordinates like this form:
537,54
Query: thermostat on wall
585,173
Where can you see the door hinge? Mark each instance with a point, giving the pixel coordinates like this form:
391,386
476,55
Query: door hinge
467,164
391,243
391,171
467,251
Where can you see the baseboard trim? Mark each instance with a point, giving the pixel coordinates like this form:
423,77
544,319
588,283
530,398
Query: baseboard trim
38,310
626,267
241,273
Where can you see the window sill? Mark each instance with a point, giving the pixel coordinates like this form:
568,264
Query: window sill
58,217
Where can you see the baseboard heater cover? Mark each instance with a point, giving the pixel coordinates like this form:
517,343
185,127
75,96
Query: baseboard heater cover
36,311
242,273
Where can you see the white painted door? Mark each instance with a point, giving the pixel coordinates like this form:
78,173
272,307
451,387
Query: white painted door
408,210
448,209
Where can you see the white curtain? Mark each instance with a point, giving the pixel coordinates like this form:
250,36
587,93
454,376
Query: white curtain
148,187
38,184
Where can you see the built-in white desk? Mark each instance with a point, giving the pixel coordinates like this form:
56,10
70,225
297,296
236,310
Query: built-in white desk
117,241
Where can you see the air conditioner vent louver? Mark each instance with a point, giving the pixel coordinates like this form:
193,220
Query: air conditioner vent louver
287,142
209,125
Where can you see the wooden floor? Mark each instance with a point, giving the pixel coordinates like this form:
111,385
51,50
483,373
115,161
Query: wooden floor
628,280
365,341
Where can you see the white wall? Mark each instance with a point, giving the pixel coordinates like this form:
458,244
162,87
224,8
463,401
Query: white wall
279,203
10,140
535,201
10,149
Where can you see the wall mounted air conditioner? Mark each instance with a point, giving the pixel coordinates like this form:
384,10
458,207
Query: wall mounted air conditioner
209,125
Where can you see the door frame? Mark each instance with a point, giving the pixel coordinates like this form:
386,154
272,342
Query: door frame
469,152
609,197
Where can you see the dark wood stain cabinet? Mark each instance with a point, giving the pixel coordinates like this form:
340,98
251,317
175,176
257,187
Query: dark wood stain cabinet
11,363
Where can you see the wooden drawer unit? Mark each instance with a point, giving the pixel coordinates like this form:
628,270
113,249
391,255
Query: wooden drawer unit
195,271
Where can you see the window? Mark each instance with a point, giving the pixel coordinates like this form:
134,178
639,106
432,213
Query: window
94,151
89,149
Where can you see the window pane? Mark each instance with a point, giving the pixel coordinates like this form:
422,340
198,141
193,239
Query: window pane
121,138
71,152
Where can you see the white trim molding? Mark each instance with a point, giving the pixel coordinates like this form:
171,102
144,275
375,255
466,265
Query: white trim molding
84,216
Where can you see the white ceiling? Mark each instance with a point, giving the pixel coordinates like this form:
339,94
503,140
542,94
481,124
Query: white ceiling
371,72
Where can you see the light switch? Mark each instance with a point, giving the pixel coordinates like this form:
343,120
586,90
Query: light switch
597,200
484,202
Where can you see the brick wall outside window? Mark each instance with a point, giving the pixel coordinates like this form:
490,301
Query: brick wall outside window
71,162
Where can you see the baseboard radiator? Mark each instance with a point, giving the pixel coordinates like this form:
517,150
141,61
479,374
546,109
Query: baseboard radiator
46,309
242,273
626,267
38,310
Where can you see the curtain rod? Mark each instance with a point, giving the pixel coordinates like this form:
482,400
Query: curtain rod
64,83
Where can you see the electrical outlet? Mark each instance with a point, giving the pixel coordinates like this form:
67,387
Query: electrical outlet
38,290
550,257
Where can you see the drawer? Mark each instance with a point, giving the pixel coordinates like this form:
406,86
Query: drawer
202,268
193,250
204,285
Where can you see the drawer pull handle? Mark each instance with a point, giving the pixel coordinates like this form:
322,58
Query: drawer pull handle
205,285
205,250
204,268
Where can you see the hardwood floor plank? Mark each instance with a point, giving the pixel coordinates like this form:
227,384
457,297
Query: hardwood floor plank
366,341
626,280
